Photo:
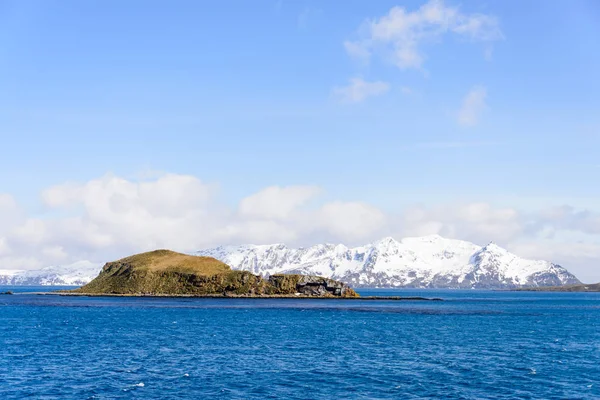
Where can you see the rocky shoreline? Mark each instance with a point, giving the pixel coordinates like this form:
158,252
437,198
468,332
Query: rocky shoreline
235,296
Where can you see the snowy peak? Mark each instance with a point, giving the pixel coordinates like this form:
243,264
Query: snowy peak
386,241
493,248
388,246
427,261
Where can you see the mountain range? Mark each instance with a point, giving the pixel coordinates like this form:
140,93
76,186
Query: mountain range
419,262
76,274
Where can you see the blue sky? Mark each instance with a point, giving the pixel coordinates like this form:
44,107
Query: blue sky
497,104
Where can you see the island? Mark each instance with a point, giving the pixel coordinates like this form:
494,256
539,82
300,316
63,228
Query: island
167,273
594,287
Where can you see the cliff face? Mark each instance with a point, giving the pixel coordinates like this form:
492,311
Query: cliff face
163,272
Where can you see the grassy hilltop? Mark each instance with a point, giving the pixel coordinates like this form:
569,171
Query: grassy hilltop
164,272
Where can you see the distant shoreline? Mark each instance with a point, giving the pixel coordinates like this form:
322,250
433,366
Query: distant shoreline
222,296
583,288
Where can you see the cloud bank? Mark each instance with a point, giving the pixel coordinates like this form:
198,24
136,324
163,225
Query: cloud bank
111,217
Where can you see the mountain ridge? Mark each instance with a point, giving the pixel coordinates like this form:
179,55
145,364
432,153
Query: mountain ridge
419,262
76,274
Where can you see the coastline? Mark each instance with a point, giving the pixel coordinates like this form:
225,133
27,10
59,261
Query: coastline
226,296
581,288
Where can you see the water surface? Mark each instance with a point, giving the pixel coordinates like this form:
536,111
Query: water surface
475,344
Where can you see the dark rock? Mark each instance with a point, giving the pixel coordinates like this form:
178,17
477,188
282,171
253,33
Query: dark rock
308,285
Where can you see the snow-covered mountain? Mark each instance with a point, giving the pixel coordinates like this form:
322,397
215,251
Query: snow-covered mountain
76,274
422,262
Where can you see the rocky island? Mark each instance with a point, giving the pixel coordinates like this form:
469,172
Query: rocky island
167,273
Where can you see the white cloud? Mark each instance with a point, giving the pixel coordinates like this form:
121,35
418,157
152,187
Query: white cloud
7,203
276,202
4,248
568,218
10,213
56,253
358,90
280,214
399,34
473,106
115,213
256,231
357,50
477,222
351,221
111,217
169,195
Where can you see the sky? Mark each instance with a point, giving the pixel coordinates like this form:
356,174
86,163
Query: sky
128,126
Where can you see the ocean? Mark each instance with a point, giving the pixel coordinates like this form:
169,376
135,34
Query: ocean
472,345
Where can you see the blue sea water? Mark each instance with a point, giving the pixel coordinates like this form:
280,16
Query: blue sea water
473,345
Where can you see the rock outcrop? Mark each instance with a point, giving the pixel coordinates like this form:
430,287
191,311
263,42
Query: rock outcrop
310,285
